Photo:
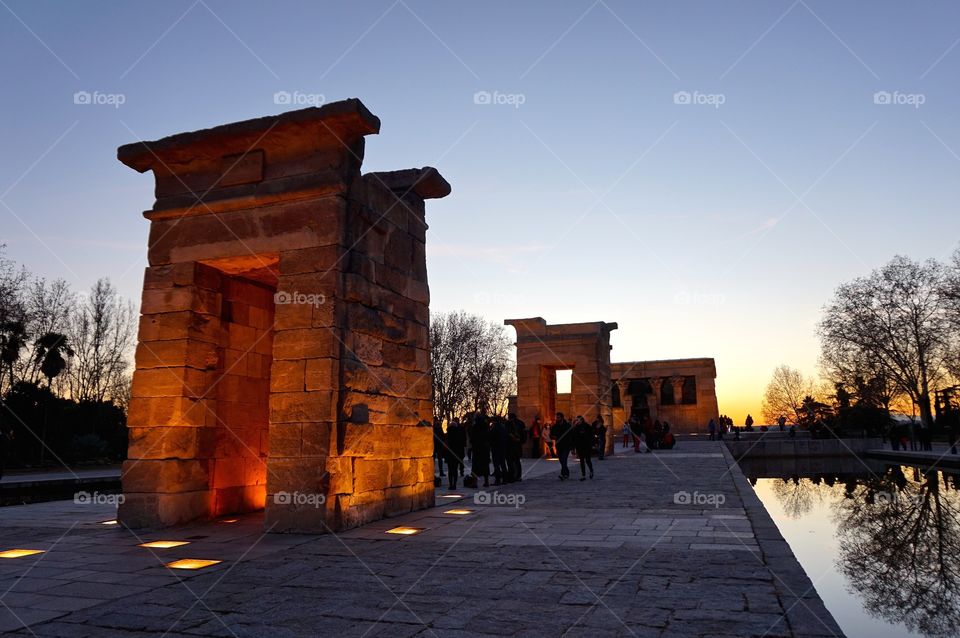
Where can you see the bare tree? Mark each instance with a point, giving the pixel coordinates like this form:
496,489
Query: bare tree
898,318
785,395
471,365
102,335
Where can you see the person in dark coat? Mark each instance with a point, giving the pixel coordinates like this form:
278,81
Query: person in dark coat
583,439
479,433
499,444
600,433
439,442
536,434
562,435
456,447
517,436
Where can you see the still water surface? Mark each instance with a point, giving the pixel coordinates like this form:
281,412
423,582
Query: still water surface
881,543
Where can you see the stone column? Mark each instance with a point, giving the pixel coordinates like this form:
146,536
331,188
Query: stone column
654,401
677,383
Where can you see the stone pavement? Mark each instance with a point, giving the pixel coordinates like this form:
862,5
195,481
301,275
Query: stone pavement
666,544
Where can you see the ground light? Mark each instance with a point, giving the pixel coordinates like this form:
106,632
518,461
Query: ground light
459,512
163,544
405,531
192,563
451,496
20,553
228,520
114,522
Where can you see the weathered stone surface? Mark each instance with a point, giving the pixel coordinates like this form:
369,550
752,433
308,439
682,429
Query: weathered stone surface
284,321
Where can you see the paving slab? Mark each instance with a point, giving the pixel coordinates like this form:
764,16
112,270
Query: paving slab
664,544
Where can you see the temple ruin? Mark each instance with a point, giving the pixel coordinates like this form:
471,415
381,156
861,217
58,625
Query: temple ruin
680,391
282,360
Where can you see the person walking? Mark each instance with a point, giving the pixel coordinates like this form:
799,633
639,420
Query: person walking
782,422
561,434
749,422
548,440
583,438
636,428
456,446
712,429
626,433
516,437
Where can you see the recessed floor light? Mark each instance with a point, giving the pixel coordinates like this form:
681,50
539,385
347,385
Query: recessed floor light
109,523
192,563
459,512
228,520
451,496
20,553
163,544
405,531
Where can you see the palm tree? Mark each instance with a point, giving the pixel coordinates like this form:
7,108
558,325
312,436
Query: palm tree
48,352
13,339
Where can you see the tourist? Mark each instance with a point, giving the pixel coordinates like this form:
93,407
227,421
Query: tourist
439,443
583,438
499,443
712,429
600,433
536,432
548,440
480,444
650,433
516,437
560,433
456,444
782,421
749,421
667,440
626,433
636,427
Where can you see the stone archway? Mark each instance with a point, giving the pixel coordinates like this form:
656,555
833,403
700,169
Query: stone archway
283,351
543,349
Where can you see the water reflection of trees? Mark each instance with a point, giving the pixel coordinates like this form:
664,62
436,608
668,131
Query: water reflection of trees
798,496
900,547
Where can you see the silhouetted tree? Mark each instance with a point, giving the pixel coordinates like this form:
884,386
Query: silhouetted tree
785,394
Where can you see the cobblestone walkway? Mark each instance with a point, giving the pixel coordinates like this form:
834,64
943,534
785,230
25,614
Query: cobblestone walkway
666,544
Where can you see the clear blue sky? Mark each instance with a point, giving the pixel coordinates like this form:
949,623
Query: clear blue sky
702,230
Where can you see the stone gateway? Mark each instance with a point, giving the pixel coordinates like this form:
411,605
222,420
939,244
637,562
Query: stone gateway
282,360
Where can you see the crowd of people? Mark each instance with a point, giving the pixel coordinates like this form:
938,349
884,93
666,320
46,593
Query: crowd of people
492,446
649,434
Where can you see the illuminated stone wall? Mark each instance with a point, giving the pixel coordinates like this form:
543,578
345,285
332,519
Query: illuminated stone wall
283,354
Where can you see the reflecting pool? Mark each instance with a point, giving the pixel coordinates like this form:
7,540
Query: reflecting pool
881,543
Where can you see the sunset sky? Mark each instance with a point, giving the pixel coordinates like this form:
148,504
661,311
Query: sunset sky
702,173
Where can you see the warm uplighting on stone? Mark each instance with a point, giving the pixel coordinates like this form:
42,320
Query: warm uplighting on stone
284,326
192,563
405,531
20,553
164,544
